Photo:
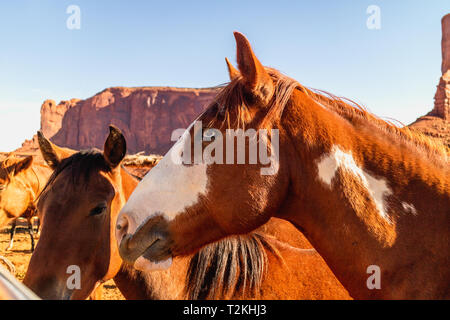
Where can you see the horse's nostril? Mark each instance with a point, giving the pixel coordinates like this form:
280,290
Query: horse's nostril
121,228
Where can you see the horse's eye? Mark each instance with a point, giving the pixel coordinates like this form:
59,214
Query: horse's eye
98,210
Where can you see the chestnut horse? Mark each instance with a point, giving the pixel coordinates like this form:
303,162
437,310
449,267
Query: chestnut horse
79,206
373,199
21,181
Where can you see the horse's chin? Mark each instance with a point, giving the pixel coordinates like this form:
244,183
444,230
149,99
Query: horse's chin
145,265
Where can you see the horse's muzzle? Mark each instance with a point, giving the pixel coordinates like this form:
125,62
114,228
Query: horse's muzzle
151,240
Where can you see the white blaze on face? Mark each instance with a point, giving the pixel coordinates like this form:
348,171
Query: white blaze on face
166,190
377,188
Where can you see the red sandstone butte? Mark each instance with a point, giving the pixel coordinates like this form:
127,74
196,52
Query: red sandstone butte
147,117
437,122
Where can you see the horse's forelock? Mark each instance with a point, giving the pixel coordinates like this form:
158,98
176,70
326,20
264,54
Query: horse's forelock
233,98
82,165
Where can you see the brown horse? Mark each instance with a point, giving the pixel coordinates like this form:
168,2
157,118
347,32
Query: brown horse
373,199
21,180
79,206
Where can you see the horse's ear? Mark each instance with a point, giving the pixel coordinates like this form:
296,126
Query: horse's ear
51,153
257,80
115,147
232,71
23,164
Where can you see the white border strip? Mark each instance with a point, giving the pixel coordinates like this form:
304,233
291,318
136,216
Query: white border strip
12,289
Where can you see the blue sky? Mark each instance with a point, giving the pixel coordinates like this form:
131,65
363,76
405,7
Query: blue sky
322,44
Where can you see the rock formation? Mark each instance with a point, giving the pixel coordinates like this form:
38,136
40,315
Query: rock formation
436,123
445,44
147,116
52,115
442,97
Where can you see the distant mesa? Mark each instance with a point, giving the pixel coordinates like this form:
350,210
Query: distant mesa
146,116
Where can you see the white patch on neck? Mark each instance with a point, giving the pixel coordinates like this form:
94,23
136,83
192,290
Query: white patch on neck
337,158
167,189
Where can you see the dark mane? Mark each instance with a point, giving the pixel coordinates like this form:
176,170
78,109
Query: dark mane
81,164
230,267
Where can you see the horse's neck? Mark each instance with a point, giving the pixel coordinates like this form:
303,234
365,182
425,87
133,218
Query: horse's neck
289,266
365,203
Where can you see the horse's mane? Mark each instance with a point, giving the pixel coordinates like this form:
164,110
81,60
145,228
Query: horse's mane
232,98
357,114
230,267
